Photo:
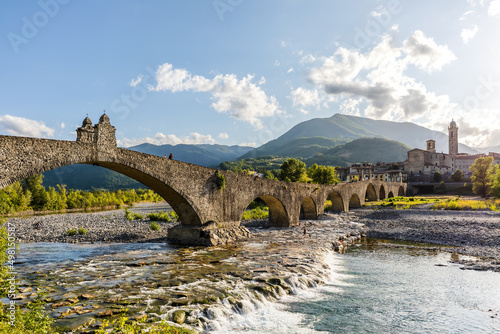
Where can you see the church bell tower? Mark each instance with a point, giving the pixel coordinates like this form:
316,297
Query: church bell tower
453,138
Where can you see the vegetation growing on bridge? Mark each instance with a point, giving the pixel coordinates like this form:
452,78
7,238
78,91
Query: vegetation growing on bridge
30,194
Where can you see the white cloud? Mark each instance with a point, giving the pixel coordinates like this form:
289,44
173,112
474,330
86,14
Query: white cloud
137,81
240,98
425,53
19,126
305,97
290,70
378,79
468,34
307,59
494,8
162,139
276,63
62,125
223,135
395,27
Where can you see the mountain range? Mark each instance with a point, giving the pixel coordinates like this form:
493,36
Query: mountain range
336,140
344,128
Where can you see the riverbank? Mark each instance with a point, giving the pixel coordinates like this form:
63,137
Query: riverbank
474,233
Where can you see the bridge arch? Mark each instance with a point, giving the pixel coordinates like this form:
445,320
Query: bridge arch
354,202
46,154
371,193
182,205
401,191
382,193
390,194
277,212
308,209
337,201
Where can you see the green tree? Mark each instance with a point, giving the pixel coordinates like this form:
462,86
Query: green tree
323,174
457,176
39,196
437,177
496,180
482,176
293,170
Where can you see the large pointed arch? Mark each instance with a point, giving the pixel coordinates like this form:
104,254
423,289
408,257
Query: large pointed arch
390,194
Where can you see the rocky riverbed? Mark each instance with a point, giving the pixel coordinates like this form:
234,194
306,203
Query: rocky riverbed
203,286
474,233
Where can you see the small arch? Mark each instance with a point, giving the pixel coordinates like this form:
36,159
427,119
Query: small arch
390,195
308,209
382,192
371,194
354,202
401,191
337,202
277,213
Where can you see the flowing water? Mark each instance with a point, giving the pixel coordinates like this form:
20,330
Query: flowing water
367,290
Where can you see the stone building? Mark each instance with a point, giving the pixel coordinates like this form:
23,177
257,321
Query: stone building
427,162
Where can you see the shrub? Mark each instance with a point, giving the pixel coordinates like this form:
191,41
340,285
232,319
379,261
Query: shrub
71,232
160,216
257,213
154,226
82,231
175,216
220,180
132,216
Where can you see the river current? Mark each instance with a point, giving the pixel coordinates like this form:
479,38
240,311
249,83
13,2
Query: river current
366,290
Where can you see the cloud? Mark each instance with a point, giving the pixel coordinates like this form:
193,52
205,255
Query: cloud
162,139
375,83
62,125
425,53
305,97
137,81
468,34
223,135
290,70
494,8
240,98
19,126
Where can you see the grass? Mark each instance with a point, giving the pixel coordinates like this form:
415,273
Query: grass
438,203
82,231
123,326
132,216
71,232
160,217
467,204
257,213
405,203
154,226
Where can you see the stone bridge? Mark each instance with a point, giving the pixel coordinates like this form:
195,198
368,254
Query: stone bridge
209,214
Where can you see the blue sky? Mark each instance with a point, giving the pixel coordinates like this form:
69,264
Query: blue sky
244,72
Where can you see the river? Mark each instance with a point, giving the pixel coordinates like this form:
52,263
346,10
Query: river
369,289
